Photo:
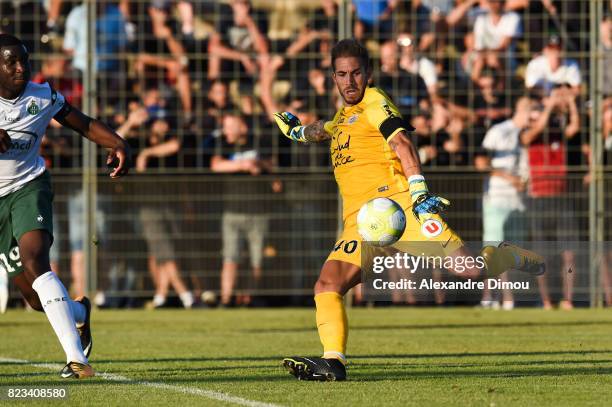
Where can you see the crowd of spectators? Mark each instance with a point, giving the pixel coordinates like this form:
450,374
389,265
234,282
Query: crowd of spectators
455,68
193,84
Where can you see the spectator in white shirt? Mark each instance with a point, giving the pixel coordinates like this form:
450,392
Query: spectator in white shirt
503,199
494,34
550,68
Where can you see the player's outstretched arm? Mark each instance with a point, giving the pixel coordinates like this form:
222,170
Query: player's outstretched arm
102,135
315,132
292,128
424,204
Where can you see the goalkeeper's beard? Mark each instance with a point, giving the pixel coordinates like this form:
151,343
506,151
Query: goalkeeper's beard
353,97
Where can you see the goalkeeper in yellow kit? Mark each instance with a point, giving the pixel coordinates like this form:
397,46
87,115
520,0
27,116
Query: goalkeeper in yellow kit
373,156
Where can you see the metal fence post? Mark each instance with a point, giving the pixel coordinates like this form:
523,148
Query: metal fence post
89,156
596,192
344,31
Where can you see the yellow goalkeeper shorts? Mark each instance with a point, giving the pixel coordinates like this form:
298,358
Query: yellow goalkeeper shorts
432,238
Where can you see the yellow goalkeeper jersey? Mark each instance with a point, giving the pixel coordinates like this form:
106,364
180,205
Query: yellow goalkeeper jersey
364,164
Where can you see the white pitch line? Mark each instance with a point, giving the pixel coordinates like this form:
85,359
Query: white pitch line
210,394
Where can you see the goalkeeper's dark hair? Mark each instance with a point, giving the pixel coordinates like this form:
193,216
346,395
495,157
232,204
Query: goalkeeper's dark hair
8,40
351,48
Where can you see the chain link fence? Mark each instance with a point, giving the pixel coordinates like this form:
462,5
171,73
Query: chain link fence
301,211
169,73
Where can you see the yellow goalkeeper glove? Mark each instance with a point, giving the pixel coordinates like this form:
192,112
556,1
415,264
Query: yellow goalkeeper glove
290,126
424,204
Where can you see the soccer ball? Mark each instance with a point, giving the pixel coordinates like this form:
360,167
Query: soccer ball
381,221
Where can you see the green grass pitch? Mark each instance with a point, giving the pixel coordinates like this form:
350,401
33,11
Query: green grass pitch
398,356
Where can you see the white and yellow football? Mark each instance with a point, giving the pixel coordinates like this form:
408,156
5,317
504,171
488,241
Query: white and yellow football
381,221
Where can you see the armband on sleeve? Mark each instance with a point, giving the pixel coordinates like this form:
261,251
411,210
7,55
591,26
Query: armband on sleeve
392,125
63,112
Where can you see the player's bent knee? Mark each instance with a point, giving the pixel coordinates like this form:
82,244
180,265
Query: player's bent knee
325,285
34,249
34,267
337,276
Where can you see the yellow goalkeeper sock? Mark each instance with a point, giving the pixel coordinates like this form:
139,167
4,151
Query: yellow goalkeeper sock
498,260
332,325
